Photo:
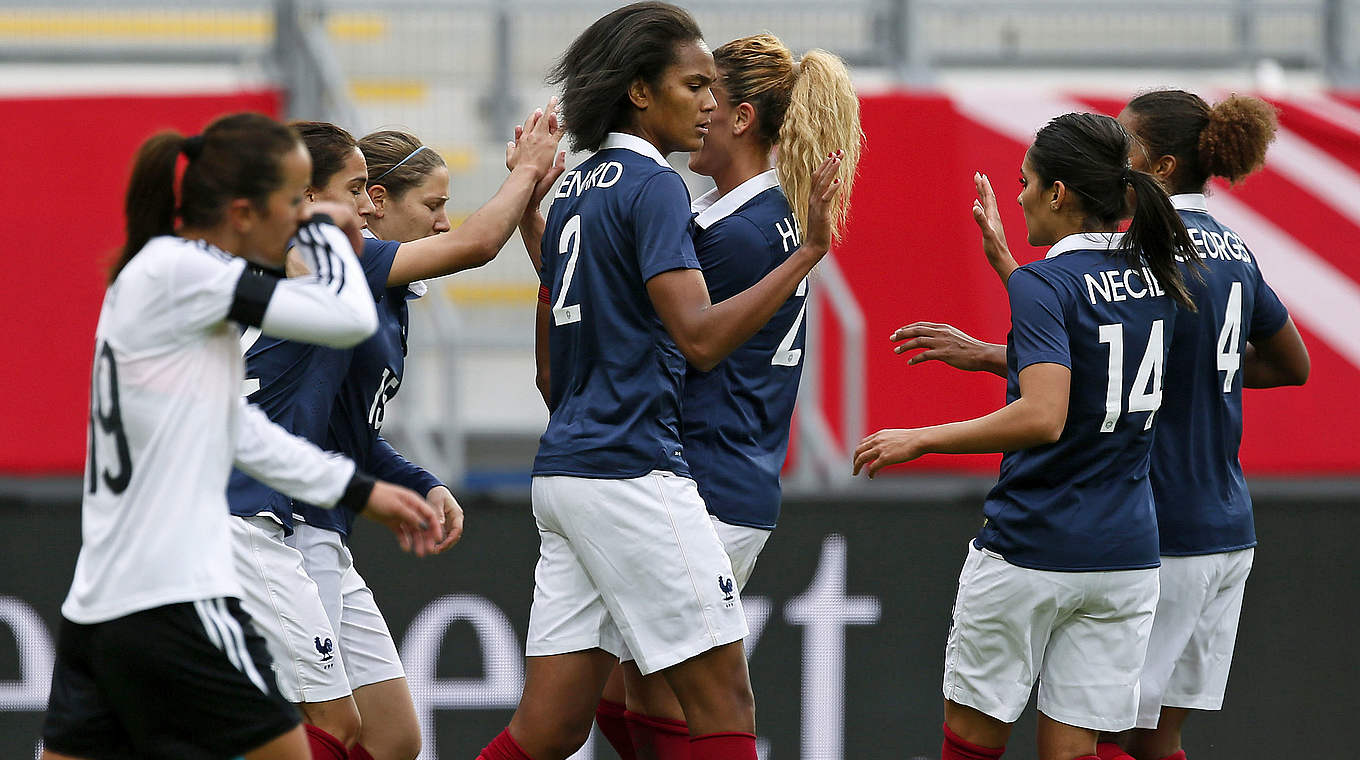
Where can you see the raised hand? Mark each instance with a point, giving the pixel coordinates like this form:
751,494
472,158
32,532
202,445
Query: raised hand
821,203
441,498
417,525
988,220
950,345
535,143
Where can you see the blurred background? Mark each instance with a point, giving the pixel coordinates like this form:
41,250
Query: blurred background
851,604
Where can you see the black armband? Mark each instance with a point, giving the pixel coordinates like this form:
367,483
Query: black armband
253,292
356,494
322,219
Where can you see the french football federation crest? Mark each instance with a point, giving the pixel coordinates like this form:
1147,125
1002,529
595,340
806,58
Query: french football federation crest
324,648
726,585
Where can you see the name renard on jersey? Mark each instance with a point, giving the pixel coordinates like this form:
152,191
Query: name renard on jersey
604,175
1117,285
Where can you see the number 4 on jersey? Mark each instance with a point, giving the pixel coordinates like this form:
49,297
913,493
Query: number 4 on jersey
1230,338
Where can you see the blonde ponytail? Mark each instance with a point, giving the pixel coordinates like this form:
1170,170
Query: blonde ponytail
823,116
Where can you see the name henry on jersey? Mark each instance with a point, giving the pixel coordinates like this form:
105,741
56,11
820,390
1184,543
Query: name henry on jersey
1120,285
605,175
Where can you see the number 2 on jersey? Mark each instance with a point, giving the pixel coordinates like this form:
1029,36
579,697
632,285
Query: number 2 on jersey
1146,394
107,418
786,355
563,313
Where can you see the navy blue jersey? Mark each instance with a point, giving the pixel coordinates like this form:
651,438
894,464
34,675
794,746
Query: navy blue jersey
1202,501
618,219
356,418
1084,502
295,384
735,418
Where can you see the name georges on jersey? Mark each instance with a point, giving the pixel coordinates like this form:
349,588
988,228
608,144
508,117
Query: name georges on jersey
1218,245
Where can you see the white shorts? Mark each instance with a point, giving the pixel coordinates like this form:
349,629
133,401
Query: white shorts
369,652
743,545
1194,633
630,561
1082,635
285,606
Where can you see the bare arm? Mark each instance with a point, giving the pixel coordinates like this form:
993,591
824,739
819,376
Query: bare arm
1034,419
988,220
707,332
532,223
478,239
1281,359
952,346
542,363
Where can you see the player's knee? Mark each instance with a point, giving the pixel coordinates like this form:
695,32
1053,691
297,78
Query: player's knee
340,720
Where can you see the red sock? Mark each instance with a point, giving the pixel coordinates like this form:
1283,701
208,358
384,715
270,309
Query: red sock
609,717
955,748
1111,751
1179,755
731,745
503,747
324,746
661,738
357,752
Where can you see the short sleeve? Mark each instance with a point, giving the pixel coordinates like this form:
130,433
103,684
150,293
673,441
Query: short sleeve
1038,331
661,226
377,263
202,287
1268,313
734,256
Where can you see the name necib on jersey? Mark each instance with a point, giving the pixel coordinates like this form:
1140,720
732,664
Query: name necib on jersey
621,218
1112,285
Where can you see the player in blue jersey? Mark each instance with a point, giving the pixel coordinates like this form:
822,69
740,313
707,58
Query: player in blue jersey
736,417
156,658
628,555
351,691
1060,584
1240,337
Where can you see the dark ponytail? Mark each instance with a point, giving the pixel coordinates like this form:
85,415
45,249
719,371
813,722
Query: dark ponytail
237,156
1227,140
1088,153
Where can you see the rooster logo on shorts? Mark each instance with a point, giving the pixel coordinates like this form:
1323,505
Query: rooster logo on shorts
324,648
726,585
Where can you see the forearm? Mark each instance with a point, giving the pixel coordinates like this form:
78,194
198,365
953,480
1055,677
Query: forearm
474,243
531,227
386,463
287,463
714,332
1011,428
991,357
542,360
1003,264
332,306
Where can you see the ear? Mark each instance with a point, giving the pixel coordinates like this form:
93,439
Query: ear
1164,167
743,119
1057,195
242,214
377,194
640,94
310,194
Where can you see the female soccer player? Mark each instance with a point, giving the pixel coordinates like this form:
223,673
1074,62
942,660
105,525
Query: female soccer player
1061,582
156,658
336,640
1205,523
736,417
629,555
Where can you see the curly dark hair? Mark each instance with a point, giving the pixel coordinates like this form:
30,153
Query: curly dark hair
1227,140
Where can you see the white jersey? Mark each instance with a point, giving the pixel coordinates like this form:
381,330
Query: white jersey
167,419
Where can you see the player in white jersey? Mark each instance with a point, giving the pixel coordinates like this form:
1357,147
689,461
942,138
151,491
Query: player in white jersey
155,658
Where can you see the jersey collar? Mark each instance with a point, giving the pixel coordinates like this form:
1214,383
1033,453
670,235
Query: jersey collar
1086,241
635,144
1189,202
712,208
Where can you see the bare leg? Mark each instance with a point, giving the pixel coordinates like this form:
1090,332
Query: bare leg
1060,741
1162,741
290,746
557,708
714,689
615,689
50,755
390,729
975,726
650,695
337,717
